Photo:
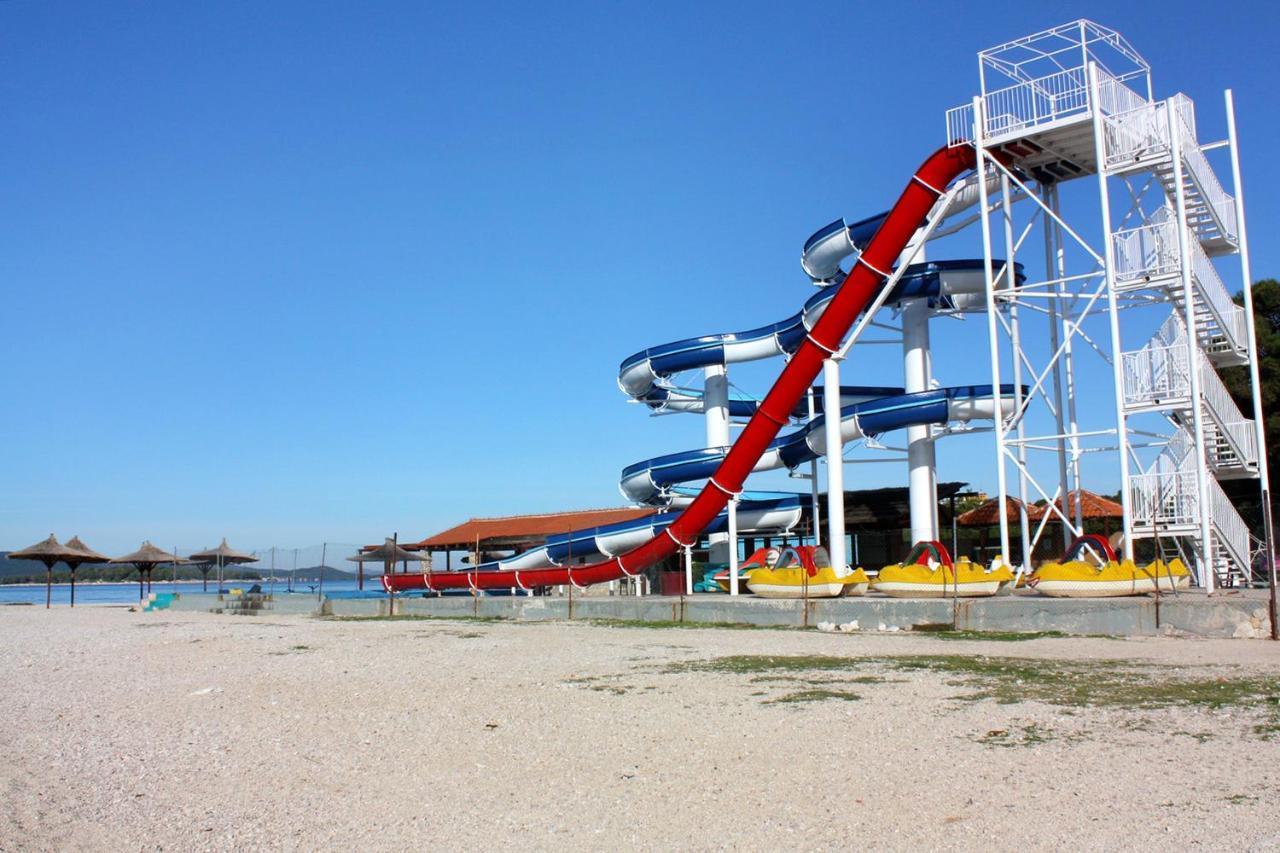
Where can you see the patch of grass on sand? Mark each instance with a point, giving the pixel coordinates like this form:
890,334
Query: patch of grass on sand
944,631
668,623
1269,730
414,617
615,689
814,695
600,683
1028,735
1199,737
1007,680
1103,683
792,679
746,664
292,650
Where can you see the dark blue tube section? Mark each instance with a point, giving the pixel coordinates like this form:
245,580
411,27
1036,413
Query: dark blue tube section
920,280
874,417
658,396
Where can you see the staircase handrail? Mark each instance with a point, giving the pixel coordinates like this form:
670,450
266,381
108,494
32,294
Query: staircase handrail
1138,133
1236,428
1221,205
1166,497
1230,527
1229,315
1148,251
1156,372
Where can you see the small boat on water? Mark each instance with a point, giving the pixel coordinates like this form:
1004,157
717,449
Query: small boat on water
929,572
803,570
1090,569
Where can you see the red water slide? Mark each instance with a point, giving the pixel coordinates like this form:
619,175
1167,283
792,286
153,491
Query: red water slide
855,293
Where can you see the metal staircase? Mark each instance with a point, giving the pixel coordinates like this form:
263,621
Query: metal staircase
1165,504
1147,257
1145,138
1078,100
1159,138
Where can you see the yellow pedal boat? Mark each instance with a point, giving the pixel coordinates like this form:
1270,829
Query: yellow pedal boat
929,572
1090,570
800,571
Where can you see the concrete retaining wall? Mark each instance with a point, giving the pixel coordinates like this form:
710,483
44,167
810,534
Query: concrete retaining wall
1240,616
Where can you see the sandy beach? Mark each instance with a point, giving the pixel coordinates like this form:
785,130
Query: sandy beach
175,730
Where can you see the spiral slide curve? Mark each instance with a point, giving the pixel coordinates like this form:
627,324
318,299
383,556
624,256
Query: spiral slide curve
850,299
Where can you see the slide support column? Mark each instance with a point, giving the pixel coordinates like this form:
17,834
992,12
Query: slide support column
715,405
922,464
733,546
835,464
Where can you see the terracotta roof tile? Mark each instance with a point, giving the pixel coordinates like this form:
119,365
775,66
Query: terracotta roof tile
530,527
988,515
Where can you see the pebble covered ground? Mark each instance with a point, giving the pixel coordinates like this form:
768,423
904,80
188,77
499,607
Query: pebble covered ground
151,731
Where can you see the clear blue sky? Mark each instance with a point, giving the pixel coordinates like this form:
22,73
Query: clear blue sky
293,271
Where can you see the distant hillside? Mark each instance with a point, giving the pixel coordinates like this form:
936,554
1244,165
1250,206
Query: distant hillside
313,572
23,570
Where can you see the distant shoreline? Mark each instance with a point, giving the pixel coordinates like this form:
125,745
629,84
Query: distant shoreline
186,582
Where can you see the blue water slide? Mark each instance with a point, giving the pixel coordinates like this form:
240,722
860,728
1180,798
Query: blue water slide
762,511
958,285
865,410
662,398
651,481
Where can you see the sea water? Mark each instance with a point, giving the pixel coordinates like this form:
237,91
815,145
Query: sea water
127,593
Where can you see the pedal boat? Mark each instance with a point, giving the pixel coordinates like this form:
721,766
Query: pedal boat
804,570
929,572
1090,569
721,578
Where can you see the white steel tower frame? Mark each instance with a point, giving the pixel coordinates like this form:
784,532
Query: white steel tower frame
1074,102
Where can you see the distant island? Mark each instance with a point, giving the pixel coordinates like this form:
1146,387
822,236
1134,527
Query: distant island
30,571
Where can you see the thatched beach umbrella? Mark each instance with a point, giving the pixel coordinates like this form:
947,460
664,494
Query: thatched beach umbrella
223,555
147,558
388,553
50,552
87,555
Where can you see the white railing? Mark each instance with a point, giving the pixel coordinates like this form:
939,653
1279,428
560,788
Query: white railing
1136,135
1036,101
1230,527
1023,105
1146,252
1156,374
1237,429
1151,251
959,125
1040,101
1229,315
1114,97
1177,454
1171,332
1239,437
1221,206
1164,497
